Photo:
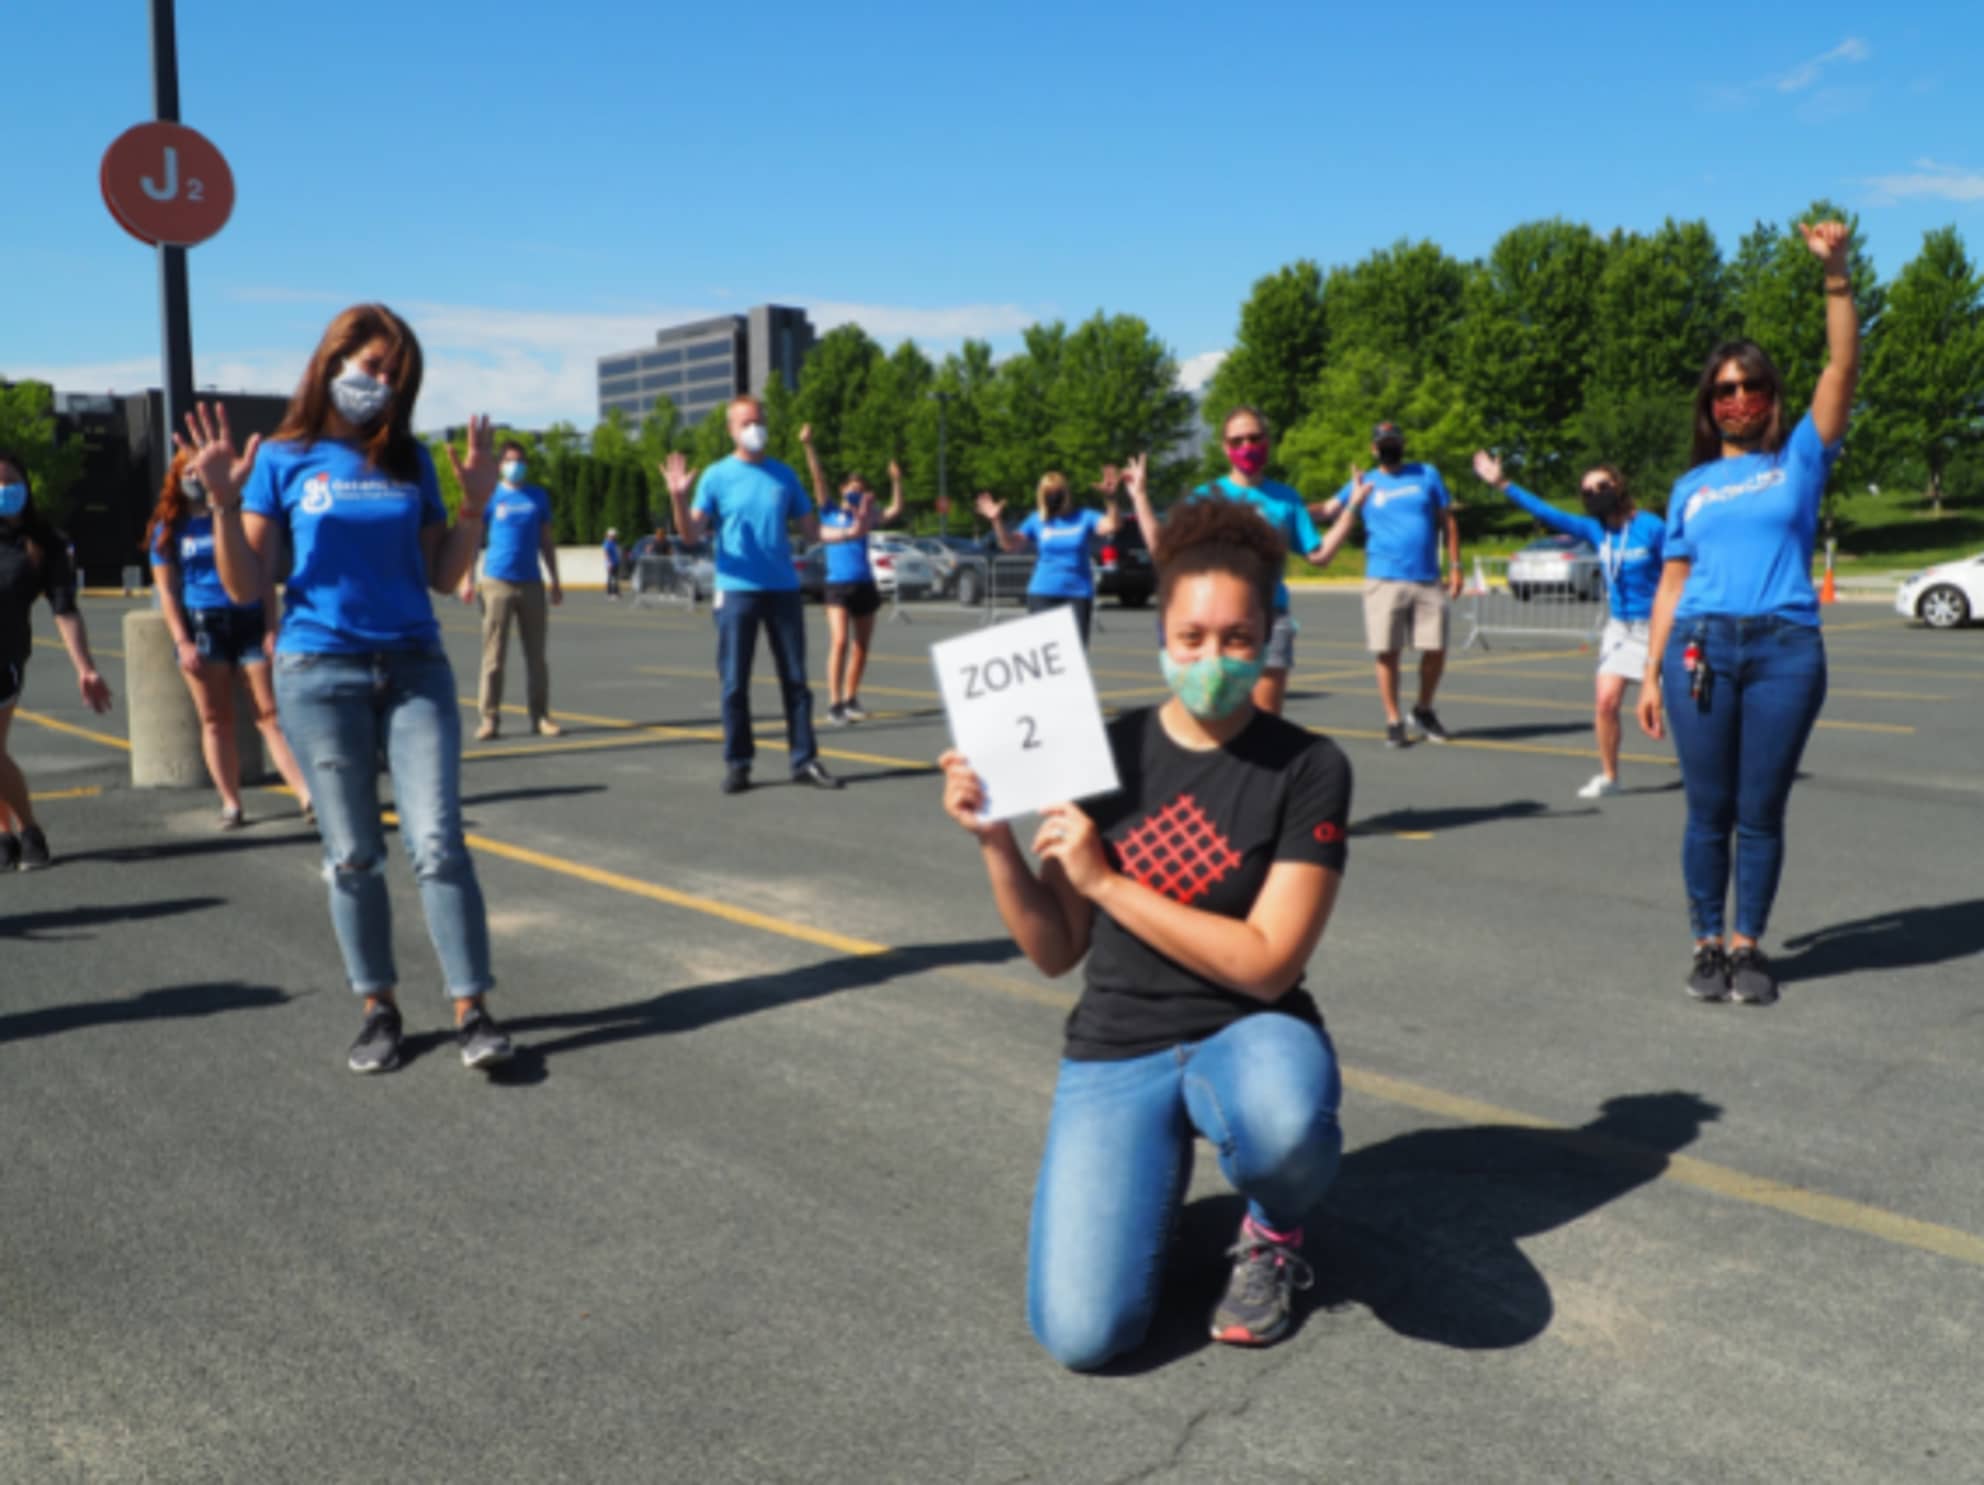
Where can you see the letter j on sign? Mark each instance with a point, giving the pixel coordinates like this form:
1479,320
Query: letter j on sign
1022,708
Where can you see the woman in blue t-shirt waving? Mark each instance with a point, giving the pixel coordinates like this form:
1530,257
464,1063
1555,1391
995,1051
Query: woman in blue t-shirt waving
359,664
214,637
1063,535
1629,543
1734,647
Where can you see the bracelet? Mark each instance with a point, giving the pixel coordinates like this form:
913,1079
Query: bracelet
1840,285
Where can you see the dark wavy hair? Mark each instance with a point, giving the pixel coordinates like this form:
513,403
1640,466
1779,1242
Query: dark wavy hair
1706,447
40,533
391,446
1211,534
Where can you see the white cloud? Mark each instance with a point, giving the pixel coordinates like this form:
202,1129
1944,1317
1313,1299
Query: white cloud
1194,372
1853,49
1929,178
531,367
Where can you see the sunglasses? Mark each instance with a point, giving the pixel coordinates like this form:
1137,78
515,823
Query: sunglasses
1603,490
1243,440
1749,384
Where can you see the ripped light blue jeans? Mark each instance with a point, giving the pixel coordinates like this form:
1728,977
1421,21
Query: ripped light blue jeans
1263,1092
339,712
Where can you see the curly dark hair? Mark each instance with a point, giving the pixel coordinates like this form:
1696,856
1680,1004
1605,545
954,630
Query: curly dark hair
1212,534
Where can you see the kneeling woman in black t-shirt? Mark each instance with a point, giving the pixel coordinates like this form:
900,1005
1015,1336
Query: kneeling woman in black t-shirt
1197,894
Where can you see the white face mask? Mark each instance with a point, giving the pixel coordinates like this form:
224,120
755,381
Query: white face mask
512,471
359,396
196,492
754,438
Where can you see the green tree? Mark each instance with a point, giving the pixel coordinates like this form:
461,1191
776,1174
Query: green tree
1645,435
832,385
588,502
1776,295
1115,393
1019,413
1924,388
1279,349
711,442
1405,302
879,428
965,380
613,439
659,431
28,430
1661,304
1528,342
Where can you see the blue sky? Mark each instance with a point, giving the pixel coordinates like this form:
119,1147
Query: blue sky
535,185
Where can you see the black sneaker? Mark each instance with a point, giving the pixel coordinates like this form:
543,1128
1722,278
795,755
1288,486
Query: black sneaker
377,1049
836,715
1428,724
1709,979
1394,734
10,852
34,849
736,780
853,711
1260,1298
482,1041
1750,979
815,773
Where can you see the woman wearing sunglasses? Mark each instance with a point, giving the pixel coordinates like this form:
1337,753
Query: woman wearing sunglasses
1734,650
1629,543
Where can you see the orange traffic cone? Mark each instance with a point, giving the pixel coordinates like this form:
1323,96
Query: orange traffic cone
1828,590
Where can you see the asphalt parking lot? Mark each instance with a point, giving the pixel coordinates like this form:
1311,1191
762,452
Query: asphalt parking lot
752,1204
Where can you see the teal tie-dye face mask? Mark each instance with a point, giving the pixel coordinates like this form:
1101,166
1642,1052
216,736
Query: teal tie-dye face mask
1212,688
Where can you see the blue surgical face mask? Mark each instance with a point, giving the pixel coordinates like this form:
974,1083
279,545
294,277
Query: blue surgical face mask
13,500
512,471
1212,688
359,396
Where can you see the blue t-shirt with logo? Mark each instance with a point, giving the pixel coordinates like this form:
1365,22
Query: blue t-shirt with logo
847,561
1402,523
514,523
192,552
1629,557
1747,525
748,507
358,578
1063,541
1282,507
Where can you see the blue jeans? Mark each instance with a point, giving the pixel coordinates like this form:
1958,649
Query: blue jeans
1264,1092
1739,756
337,712
739,614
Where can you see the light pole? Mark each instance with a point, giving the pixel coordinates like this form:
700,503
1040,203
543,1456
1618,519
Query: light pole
943,487
176,389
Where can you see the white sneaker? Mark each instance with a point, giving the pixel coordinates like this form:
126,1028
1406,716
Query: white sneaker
1600,788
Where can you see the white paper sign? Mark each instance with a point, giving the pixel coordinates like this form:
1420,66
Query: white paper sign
1022,708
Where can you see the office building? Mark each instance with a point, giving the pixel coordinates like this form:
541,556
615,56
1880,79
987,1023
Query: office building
702,365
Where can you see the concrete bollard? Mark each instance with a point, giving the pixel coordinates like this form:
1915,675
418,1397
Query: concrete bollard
165,725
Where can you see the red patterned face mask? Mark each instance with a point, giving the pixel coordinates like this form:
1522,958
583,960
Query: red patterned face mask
1743,417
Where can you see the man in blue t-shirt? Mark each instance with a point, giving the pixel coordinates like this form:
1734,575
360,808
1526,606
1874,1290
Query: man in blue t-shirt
744,506
1407,514
609,552
516,526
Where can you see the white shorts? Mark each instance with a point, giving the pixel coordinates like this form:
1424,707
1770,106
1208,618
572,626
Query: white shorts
1622,648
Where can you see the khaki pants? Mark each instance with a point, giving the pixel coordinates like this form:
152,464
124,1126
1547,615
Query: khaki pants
526,603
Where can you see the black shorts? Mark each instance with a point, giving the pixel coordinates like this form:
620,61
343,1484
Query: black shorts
859,599
228,636
13,676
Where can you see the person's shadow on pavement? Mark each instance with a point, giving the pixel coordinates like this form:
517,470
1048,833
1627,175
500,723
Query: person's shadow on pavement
1423,1229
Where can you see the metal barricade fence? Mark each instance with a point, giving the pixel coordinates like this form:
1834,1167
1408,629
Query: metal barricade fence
663,580
1523,597
1006,582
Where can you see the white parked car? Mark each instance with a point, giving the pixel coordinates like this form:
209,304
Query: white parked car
1946,596
898,565
1556,567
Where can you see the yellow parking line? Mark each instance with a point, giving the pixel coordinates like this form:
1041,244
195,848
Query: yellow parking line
56,644
695,734
72,729
1897,728
1491,745
89,793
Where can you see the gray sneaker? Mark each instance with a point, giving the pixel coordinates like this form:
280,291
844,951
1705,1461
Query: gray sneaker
1260,1298
1750,979
1709,978
377,1049
482,1041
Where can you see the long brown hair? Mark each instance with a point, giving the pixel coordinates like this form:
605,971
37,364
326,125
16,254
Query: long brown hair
1707,445
173,505
38,535
391,445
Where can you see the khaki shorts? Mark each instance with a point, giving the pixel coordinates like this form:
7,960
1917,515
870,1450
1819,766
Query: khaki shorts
1394,612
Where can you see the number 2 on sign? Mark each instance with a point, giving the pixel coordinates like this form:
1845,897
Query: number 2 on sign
1032,740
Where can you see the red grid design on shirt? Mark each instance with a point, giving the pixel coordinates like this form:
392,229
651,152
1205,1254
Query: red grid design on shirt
1178,851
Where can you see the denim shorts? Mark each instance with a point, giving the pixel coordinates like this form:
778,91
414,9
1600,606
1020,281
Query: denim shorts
228,636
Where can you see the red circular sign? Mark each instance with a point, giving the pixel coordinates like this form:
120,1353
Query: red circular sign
167,184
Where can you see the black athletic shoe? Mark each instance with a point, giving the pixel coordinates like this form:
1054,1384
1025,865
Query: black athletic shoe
1750,979
815,773
854,711
736,780
836,715
1428,724
1709,979
1394,734
377,1049
10,852
482,1041
34,849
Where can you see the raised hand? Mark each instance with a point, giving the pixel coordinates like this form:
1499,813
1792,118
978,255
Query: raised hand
1360,486
1828,242
1069,836
1487,468
895,472
678,474
477,473
1112,478
210,453
1136,475
806,434
989,505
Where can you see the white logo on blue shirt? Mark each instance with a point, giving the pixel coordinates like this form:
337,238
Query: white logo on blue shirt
1716,495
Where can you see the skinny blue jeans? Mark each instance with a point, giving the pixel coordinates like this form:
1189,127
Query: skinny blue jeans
338,711
1264,1092
1739,756
739,615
